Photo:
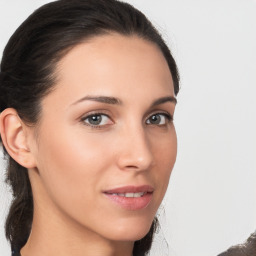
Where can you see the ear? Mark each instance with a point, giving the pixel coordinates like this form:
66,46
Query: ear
14,136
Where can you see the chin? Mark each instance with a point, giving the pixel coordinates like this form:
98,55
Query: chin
131,230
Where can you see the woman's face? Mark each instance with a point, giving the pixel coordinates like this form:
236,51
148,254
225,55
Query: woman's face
106,143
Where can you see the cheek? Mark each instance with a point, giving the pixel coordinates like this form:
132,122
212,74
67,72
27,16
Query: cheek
165,149
69,166
165,152
71,150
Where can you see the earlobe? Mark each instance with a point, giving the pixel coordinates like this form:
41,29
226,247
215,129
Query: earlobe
14,138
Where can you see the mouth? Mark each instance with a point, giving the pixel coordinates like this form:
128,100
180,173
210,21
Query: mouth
139,194
131,197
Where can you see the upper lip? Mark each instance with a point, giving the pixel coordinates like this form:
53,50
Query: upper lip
130,189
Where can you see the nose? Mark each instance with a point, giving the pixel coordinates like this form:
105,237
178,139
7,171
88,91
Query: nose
135,151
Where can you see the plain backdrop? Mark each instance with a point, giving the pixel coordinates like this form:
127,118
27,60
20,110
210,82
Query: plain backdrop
211,200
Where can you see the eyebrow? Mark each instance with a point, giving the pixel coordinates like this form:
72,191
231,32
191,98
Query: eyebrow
116,101
163,100
103,99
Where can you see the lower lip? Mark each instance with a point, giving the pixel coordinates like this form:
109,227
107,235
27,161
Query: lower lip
131,203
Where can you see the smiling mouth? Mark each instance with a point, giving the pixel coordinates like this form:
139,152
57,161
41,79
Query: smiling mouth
139,194
131,197
131,190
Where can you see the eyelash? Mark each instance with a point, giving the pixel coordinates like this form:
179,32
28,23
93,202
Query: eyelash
169,119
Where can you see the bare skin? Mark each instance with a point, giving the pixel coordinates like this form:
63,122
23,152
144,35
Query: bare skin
72,160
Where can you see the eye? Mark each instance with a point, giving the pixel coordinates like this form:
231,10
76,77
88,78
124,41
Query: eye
97,120
159,119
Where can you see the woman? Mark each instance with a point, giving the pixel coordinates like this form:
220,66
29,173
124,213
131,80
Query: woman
88,91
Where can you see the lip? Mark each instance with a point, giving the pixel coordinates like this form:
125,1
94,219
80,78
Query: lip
130,189
130,203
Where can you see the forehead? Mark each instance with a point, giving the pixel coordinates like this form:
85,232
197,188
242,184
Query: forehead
114,64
